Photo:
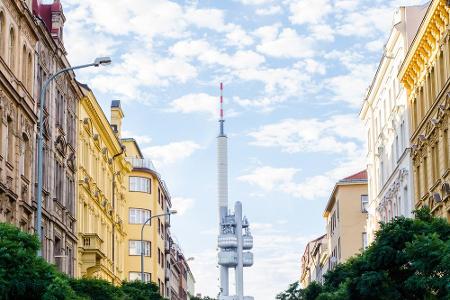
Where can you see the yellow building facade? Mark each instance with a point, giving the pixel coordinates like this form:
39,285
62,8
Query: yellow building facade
346,217
146,196
425,74
101,207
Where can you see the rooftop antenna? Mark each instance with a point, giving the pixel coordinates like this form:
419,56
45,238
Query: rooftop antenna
221,120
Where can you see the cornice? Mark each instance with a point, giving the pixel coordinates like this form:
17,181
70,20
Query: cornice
95,112
432,31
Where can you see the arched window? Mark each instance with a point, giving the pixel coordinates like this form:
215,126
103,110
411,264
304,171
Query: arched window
10,141
24,65
30,73
25,157
2,33
12,49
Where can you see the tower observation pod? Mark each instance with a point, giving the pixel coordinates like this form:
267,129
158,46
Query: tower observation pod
234,238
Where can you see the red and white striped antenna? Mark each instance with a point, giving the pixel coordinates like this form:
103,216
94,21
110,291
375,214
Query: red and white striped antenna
221,120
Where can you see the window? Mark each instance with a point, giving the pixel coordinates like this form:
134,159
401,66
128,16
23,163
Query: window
137,276
29,78
24,66
134,248
364,240
10,141
138,215
25,157
364,203
12,50
140,184
2,32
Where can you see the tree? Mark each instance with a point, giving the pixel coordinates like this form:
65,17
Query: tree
23,275
138,290
409,259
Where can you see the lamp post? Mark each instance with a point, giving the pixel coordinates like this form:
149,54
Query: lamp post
171,212
101,61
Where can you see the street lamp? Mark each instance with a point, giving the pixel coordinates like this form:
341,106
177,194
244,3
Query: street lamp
100,61
170,212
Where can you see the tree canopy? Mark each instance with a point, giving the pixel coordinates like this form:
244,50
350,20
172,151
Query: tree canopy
24,275
409,259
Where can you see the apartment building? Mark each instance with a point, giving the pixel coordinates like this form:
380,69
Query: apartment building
425,75
314,262
386,120
346,217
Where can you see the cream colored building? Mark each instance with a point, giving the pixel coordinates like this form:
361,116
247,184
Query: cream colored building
425,74
346,218
314,262
386,120
101,213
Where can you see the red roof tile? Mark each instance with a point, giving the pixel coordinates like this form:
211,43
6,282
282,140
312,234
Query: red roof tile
358,176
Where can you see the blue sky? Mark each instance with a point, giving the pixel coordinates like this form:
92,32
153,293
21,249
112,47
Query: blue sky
294,71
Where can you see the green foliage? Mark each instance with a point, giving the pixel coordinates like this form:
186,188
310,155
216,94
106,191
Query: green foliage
25,276
96,289
409,259
138,290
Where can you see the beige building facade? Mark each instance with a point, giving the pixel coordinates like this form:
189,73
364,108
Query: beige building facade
425,74
346,217
18,39
314,262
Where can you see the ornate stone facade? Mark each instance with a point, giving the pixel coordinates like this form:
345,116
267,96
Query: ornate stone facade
426,77
101,195
387,124
17,114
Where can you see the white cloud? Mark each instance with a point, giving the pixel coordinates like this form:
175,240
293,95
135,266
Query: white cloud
322,32
139,69
271,10
267,178
182,204
196,103
338,134
351,87
206,18
141,139
255,2
172,152
238,37
271,179
210,55
309,11
366,22
288,44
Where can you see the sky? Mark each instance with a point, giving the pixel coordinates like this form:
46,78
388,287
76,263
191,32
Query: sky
294,72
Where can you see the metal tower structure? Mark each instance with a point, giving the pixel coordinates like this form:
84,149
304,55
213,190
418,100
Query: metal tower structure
235,238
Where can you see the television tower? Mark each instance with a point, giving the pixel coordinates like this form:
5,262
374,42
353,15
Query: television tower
234,232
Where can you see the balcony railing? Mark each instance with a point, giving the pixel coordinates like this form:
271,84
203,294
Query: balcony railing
91,241
141,163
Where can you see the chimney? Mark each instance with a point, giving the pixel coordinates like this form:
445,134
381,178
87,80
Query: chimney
116,117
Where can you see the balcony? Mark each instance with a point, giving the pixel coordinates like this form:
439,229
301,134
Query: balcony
92,243
141,163
92,255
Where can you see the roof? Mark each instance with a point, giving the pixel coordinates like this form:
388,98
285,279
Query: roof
132,140
360,176
357,178
115,103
